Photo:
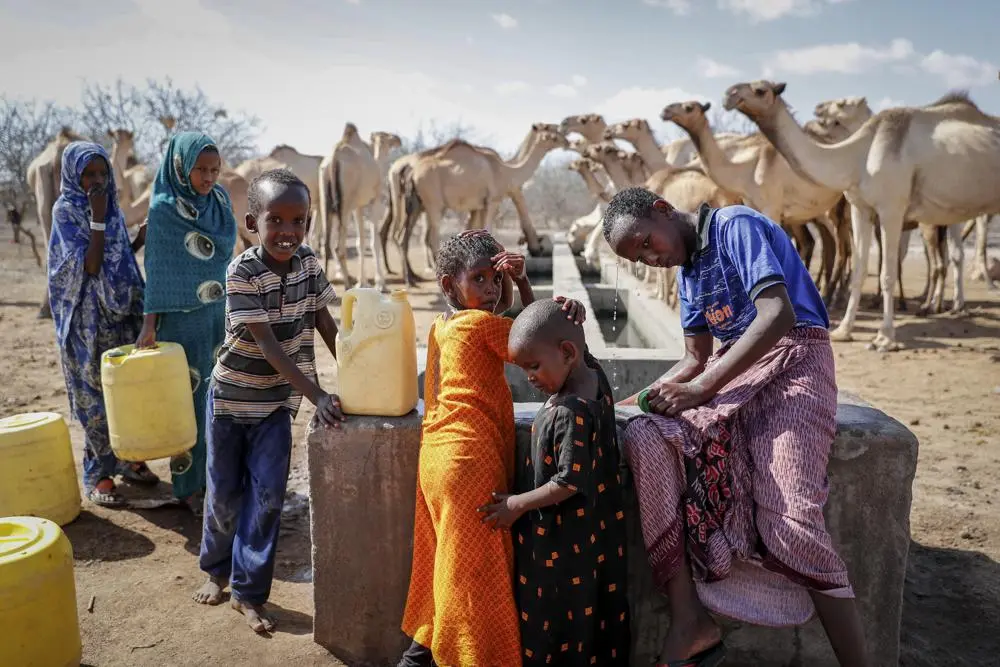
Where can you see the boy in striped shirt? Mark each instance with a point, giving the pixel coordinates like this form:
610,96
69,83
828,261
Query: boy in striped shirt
276,298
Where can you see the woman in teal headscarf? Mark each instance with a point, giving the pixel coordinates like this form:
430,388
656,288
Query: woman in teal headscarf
189,243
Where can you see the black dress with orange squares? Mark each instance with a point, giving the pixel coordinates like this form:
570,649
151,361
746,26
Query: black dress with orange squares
571,560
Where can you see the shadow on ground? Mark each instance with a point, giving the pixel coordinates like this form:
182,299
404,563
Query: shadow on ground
95,538
951,608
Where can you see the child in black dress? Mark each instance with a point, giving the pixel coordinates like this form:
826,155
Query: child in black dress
567,511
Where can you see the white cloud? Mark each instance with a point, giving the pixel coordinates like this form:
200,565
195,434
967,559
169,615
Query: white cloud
769,10
679,7
849,58
505,21
354,2
511,87
579,80
888,103
562,90
638,102
714,70
959,71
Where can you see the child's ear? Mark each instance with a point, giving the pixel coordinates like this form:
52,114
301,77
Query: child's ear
251,223
569,351
447,285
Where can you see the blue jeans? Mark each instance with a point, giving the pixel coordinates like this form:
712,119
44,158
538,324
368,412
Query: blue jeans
247,473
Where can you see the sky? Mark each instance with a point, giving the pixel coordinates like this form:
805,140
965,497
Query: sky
306,67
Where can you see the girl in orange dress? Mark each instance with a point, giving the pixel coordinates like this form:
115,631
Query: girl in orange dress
460,610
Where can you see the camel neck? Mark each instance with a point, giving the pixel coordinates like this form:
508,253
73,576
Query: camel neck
717,164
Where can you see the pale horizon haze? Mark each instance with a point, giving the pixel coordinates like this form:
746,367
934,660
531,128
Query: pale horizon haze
304,68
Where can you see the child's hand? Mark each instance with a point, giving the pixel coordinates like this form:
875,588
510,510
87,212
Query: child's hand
328,410
502,512
672,398
511,263
574,309
98,198
147,337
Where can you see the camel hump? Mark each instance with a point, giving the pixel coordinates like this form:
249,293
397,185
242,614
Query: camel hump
439,151
960,97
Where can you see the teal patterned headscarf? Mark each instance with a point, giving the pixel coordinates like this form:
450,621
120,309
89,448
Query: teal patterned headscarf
190,237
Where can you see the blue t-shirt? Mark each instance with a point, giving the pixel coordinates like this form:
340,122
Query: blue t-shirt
741,252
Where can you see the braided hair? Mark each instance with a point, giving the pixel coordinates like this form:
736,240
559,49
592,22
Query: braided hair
459,253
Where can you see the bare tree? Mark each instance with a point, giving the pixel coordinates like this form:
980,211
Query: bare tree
730,121
25,129
142,111
432,133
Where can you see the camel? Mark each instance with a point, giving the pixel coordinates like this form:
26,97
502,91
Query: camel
590,126
464,178
677,153
764,180
44,173
305,167
350,180
583,227
937,164
842,117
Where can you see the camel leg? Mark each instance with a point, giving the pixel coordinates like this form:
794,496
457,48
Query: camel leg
344,220
527,227
432,220
827,235
376,247
934,290
980,272
892,239
359,221
861,227
956,256
845,244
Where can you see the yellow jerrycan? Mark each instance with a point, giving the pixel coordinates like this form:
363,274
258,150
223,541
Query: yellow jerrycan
377,353
149,400
37,595
37,472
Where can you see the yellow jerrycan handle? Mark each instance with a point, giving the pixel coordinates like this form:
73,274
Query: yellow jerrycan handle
347,312
116,357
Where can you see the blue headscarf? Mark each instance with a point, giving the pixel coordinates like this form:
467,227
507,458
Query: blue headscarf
75,295
190,237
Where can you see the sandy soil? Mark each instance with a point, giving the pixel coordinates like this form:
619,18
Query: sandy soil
141,565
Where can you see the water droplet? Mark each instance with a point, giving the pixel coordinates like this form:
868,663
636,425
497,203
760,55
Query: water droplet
614,324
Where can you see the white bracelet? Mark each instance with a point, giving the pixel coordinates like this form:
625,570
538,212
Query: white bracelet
97,226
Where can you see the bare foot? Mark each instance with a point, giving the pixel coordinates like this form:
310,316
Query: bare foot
257,617
687,640
210,592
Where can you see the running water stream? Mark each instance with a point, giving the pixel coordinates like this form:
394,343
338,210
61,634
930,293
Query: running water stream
614,322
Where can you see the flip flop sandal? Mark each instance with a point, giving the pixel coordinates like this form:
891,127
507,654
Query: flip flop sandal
106,498
710,657
138,474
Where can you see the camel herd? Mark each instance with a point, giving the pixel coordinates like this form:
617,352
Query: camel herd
845,174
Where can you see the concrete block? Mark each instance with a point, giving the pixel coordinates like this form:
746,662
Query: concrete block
871,470
363,480
362,483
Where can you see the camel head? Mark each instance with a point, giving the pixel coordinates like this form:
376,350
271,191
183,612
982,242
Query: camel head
632,162
582,165
849,113
848,106
384,142
629,130
123,141
579,124
578,145
548,141
756,99
689,115
602,152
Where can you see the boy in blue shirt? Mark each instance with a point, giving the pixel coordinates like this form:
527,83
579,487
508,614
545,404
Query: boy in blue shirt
730,465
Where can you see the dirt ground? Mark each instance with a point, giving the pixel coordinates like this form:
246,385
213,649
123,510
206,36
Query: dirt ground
141,566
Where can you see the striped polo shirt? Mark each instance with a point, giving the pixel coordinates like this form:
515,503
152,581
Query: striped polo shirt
246,387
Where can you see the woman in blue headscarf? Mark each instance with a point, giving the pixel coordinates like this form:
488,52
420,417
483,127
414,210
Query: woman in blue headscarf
95,290
189,243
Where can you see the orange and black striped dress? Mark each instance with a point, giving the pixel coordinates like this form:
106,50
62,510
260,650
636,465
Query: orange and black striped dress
461,599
